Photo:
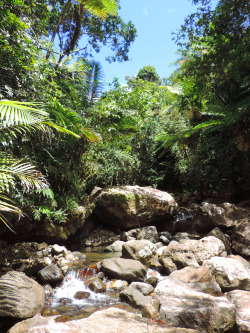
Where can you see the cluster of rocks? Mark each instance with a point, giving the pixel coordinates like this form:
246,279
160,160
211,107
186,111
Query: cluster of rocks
201,255
47,263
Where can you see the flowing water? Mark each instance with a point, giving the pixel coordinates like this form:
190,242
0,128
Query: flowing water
73,299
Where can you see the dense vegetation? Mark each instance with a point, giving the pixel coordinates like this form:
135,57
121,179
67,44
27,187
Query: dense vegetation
188,132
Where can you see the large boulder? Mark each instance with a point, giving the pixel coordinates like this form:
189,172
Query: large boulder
20,296
230,273
210,215
182,305
241,299
128,207
124,269
111,320
199,279
241,237
190,252
142,250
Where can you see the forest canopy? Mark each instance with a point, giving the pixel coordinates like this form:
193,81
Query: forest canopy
62,134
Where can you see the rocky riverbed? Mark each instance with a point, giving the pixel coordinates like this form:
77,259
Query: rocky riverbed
187,273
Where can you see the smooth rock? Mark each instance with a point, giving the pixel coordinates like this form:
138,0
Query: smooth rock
144,288
124,269
111,320
115,246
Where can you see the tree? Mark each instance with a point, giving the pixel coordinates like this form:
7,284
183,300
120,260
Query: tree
213,84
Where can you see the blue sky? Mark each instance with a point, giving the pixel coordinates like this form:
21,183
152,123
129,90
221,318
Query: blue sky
154,21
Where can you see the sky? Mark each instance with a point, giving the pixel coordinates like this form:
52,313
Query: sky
154,21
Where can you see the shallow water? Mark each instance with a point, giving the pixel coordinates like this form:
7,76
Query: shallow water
64,301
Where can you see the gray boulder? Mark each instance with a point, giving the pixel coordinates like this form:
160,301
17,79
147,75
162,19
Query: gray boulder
135,298
128,207
124,269
144,288
20,296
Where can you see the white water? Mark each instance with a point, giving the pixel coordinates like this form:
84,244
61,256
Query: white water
73,283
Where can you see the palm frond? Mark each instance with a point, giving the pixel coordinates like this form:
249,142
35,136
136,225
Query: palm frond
101,8
13,113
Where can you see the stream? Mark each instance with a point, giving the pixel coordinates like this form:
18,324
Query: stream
73,299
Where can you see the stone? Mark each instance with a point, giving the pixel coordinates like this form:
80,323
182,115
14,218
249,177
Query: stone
78,255
190,253
115,246
144,288
210,215
149,233
165,237
118,285
81,295
199,279
124,269
20,296
241,237
96,285
241,299
183,306
229,273
57,249
112,320
128,207
151,310
134,297
142,250
216,232
50,274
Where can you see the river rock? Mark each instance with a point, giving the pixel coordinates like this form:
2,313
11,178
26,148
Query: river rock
118,285
124,269
241,299
20,296
183,306
142,250
112,320
190,253
144,288
149,232
216,232
199,279
241,237
50,274
96,285
229,273
115,247
135,298
128,207
210,215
